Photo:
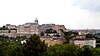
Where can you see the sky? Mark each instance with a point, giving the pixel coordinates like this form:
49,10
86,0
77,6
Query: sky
74,14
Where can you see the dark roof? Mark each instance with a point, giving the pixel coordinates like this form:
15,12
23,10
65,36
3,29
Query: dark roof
83,39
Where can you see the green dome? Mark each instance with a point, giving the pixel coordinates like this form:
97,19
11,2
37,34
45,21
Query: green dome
36,20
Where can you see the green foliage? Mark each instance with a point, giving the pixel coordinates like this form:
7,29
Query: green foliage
90,36
97,37
86,51
62,50
69,35
4,28
3,49
15,49
42,34
11,49
96,51
20,38
12,29
57,35
34,46
97,40
50,31
4,38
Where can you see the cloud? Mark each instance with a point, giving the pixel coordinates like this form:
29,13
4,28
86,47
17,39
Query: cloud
90,5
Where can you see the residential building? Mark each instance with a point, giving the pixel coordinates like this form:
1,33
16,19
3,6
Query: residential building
50,41
82,40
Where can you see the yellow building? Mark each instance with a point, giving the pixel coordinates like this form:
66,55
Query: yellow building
53,41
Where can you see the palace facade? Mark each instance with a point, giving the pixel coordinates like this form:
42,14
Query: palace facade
28,29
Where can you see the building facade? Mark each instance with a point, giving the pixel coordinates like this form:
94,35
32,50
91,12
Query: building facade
82,40
35,28
30,28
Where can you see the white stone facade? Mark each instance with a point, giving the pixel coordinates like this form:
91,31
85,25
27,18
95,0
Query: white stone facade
81,42
9,26
29,28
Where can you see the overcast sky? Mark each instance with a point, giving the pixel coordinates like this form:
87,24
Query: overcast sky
74,14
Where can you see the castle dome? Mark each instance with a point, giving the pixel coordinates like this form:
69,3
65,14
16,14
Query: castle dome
36,21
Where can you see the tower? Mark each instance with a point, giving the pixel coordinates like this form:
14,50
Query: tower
36,26
36,21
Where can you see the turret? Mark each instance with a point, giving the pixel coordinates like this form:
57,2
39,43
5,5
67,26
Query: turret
36,21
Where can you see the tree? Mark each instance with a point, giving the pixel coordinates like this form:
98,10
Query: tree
86,51
90,36
62,50
11,49
69,35
96,51
3,48
50,31
42,34
34,46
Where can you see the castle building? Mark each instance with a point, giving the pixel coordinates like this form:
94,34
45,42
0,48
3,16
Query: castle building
30,28
35,28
